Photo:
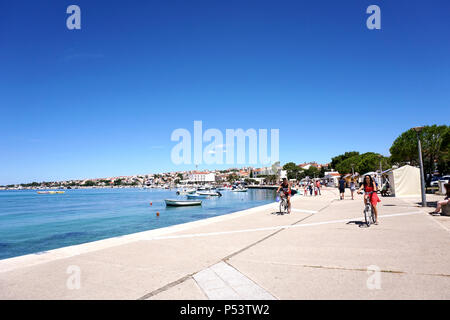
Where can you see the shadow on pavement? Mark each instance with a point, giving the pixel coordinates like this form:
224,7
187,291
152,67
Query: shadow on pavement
360,224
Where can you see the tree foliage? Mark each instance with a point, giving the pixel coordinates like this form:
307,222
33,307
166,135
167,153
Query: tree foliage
435,141
362,163
342,157
292,170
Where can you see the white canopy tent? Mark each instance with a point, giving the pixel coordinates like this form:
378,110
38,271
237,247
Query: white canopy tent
405,181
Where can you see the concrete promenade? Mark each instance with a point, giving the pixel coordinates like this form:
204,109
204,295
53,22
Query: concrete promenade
320,251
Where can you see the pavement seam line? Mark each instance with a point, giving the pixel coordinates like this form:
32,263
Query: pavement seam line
274,233
166,287
351,269
257,284
261,240
176,282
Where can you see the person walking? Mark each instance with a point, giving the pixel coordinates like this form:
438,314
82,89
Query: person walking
318,187
342,187
352,187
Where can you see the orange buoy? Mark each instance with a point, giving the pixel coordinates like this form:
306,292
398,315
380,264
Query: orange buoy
157,214
151,203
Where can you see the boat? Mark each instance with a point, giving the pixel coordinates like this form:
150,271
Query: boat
240,190
209,193
182,203
183,192
196,196
50,192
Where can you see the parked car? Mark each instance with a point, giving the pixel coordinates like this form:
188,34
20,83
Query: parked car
435,180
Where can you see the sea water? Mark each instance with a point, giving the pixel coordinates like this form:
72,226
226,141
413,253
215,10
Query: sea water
34,223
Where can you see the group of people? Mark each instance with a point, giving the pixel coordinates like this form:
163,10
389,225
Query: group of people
311,187
343,184
285,189
368,187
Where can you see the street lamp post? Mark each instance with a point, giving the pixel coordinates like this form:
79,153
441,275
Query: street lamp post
422,176
381,171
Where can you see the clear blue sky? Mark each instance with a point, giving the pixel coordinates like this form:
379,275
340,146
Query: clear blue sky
103,101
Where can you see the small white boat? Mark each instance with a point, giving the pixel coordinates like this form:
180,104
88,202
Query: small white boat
182,203
240,190
50,192
184,192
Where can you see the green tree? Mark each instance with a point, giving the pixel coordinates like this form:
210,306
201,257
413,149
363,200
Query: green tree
322,171
435,149
336,160
118,182
363,163
232,177
312,172
292,170
89,183
444,164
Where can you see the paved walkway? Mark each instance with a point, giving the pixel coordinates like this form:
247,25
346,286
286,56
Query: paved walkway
320,251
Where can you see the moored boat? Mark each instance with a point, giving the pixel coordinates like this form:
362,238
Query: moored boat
240,190
182,203
196,196
50,192
209,193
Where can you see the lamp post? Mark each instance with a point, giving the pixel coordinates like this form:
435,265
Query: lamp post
381,171
422,176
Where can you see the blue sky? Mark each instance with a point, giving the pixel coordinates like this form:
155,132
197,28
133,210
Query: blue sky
103,101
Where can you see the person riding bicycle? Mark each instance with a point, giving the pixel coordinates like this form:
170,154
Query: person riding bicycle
285,188
370,188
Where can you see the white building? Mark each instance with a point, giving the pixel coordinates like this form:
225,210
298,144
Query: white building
202,177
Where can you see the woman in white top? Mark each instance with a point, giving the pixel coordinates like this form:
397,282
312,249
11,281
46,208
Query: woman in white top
352,187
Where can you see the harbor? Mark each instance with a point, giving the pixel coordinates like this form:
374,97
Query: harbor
254,254
86,215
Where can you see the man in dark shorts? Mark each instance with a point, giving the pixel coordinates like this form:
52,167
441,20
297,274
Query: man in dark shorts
342,187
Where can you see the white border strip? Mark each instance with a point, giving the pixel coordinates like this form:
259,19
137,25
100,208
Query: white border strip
193,235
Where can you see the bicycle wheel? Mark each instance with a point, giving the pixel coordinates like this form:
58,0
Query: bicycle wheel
368,215
283,206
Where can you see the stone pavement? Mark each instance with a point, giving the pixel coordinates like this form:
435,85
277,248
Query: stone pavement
319,251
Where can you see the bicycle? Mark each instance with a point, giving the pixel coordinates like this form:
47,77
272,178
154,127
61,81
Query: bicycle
369,212
284,205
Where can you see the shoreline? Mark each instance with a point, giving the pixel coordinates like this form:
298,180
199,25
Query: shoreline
36,258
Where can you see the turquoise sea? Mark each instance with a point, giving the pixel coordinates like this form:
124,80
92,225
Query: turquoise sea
33,223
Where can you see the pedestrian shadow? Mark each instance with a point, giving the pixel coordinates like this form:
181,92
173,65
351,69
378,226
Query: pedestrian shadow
360,224
279,213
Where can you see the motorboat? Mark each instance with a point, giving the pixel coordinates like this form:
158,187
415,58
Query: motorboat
240,190
184,192
196,196
209,193
182,203
50,192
